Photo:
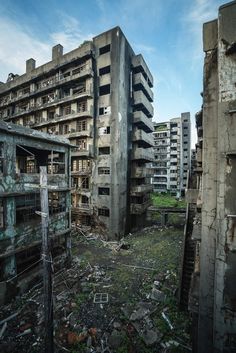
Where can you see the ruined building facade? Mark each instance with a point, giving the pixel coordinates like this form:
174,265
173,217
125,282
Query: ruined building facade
22,152
100,97
172,155
212,298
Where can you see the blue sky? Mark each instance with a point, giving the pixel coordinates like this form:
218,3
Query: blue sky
167,32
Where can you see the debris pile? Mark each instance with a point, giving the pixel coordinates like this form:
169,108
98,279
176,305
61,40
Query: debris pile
116,297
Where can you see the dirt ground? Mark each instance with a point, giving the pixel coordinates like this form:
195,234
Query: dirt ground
117,297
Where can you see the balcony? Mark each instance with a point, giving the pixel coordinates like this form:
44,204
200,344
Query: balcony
84,171
82,208
140,83
141,189
142,154
87,152
145,140
136,208
55,81
73,133
142,103
139,65
73,115
139,172
142,121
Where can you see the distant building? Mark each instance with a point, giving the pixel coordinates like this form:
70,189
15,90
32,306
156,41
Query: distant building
22,152
172,143
99,96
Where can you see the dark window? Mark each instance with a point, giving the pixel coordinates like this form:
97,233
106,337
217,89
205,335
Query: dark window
174,125
104,49
103,150
104,130
106,89
104,110
26,206
103,191
103,170
173,132
1,158
56,202
2,213
104,70
104,212
173,163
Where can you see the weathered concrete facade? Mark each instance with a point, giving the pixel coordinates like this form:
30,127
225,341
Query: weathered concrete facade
215,263
22,152
99,96
172,154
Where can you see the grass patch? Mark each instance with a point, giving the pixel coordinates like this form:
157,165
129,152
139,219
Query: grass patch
167,200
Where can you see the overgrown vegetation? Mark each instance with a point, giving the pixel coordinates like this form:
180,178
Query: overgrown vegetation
167,200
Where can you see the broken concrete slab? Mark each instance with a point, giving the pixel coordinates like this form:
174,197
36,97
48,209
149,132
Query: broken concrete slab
157,295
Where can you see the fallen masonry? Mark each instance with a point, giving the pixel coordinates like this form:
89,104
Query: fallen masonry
102,305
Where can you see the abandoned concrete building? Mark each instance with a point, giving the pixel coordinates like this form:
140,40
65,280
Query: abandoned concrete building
172,155
22,152
212,296
99,96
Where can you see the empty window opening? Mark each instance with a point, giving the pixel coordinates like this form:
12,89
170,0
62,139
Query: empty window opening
1,158
104,49
29,159
103,170
81,165
81,125
106,89
104,130
84,200
51,114
104,70
79,69
82,144
105,110
56,202
82,107
2,213
79,89
67,110
103,191
56,163
104,212
84,183
103,150
26,206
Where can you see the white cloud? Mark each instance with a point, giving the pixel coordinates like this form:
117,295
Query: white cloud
70,36
16,47
18,44
199,12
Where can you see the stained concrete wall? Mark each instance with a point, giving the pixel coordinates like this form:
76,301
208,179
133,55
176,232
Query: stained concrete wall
120,126
217,296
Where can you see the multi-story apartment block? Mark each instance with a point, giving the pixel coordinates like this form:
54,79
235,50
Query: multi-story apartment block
172,143
22,152
99,96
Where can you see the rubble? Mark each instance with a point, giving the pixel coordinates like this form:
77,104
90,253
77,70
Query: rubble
91,319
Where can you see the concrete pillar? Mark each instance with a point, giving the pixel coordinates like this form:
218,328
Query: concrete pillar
57,51
30,65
